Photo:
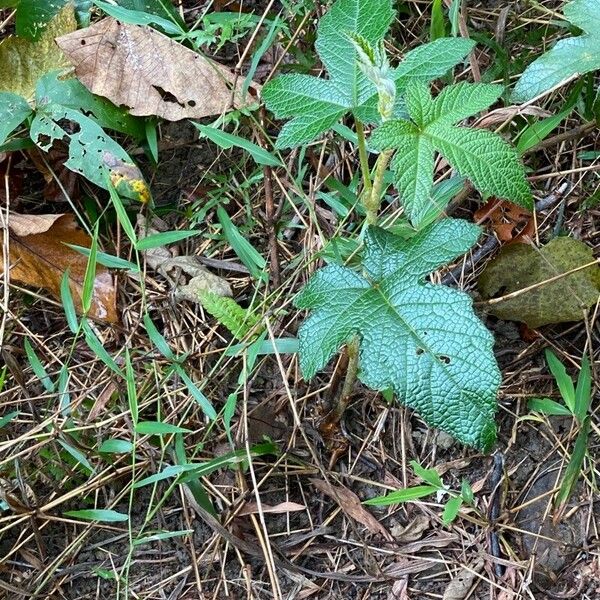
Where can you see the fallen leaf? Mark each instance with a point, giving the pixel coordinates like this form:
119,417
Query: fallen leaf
510,222
251,508
170,267
411,532
145,70
519,266
399,590
350,503
23,62
39,258
459,587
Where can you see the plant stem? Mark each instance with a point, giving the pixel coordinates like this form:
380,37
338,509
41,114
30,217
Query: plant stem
364,159
352,348
373,201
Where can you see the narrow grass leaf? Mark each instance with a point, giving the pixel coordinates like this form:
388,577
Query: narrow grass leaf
8,417
405,495
242,247
87,290
68,304
77,455
115,446
437,28
98,349
122,216
165,535
163,238
131,388
227,140
158,428
564,382
547,406
38,368
200,398
64,398
466,491
98,514
583,391
228,412
278,346
430,476
157,339
137,17
108,260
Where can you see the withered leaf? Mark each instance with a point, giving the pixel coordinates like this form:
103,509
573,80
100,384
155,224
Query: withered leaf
39,257
143,69
520,266
350,503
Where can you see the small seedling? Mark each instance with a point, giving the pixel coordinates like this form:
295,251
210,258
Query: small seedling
575,403
434,485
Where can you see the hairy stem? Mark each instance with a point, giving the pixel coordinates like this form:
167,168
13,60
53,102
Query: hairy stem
373,201
364,159
352,348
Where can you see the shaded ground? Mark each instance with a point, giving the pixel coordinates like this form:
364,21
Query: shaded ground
317,550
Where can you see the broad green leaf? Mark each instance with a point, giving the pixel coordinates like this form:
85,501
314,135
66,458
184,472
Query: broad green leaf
583,392
92,153
33,16
161,8
466,491
422,340
115,446
23,62
405,495
521,266
71,93
568,57
315,105
490,163
98,514
14,110
437,27
430,476
563,379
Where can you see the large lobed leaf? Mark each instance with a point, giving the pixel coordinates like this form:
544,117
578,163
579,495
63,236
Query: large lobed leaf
568,57
422,340
314,105
492,165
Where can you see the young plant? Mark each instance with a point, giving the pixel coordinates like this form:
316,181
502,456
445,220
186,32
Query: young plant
576,404
433,485
420,340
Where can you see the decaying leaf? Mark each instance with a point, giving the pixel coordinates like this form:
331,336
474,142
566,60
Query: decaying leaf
350,503
23,62
519,266
200,279
251,508
39,258
459,587
510,222
151,74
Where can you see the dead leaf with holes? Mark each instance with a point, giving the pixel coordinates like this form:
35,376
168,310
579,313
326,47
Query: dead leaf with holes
350,503
39,257
161,259
143,69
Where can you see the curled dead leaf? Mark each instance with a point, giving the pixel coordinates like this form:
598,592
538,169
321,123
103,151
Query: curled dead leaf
251,508
350,503
143,69
39,257
510,222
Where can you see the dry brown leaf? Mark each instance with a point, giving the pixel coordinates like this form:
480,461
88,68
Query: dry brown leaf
251,508
413,531
350,503
39,258
143,69
510,222
459,587
399,590
170,267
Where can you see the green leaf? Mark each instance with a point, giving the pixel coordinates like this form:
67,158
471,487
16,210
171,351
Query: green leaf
563,380
227,140
33,16
568,57
315,105
423,340
490,163
158,428
451,509
136,17
8,417
38,368
98,514
92,152
466,491
437,28
71,93
115,446
430,476
239,321
163,238
583,392
197,394
520,266
405,495
547,406
23,62
13,111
